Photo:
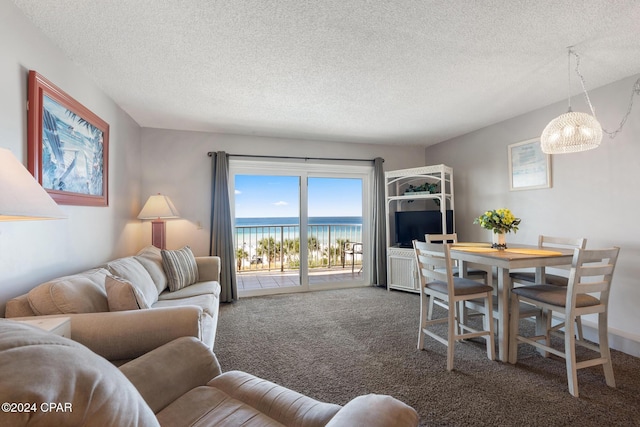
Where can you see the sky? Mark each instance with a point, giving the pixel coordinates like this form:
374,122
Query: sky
259,196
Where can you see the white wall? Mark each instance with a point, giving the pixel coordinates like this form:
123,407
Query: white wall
594,193
34,251
175,163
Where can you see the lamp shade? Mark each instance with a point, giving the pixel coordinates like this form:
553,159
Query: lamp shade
21,196
158,206
570,133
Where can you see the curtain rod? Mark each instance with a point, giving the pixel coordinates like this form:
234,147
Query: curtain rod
211,153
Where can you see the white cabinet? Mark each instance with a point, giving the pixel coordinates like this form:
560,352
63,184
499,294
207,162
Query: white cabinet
417,197
401,270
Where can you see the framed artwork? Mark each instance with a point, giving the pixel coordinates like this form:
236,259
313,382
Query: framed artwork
67,146
529,167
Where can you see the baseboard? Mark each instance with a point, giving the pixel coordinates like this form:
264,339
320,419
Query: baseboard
618,340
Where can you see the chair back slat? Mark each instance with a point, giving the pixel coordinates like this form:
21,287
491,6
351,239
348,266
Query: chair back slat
434,262
440,238
591,272
562,242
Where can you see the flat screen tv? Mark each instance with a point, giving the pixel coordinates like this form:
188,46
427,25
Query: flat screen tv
413,225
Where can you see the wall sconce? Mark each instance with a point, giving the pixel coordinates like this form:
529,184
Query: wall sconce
21,196
158,208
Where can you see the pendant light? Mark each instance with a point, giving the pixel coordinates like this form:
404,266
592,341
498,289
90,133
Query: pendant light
572,131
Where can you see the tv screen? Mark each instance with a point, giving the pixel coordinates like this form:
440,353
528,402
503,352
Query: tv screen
413,225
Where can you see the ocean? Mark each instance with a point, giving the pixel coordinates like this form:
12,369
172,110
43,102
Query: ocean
314,220
330,231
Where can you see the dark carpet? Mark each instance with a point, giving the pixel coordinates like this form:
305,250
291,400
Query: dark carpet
336,345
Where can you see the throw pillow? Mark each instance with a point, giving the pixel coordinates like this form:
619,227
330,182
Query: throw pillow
130,269
122,295
151,259
180,267
79,293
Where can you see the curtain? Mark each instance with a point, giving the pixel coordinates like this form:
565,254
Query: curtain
379,238
221,239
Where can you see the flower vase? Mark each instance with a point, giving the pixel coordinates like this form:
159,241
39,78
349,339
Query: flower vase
499,241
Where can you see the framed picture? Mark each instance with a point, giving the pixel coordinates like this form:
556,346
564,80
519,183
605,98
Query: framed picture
67,146
529,167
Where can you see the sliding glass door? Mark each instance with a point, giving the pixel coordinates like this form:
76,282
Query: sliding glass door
300,226
267,231
335,229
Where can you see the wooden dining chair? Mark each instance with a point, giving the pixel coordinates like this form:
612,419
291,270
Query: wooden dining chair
474,272
529,277
591,273
435,270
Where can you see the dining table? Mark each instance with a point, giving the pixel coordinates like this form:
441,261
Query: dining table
516,256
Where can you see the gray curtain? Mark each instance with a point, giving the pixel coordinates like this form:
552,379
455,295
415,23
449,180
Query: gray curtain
379,239
221,239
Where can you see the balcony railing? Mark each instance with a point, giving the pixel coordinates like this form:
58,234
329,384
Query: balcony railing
277,247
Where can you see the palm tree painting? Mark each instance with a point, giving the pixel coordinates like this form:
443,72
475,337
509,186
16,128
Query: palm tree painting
72,151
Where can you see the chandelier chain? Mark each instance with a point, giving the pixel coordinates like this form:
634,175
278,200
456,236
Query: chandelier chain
635,91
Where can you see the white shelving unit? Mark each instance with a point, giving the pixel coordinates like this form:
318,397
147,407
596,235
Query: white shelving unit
401,269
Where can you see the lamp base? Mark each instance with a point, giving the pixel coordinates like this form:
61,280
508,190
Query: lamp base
158,233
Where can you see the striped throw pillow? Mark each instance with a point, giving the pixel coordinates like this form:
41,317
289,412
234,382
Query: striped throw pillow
180,267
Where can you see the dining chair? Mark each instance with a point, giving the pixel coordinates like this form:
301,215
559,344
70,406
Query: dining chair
435,270
476,272
353,249
529,277
591,273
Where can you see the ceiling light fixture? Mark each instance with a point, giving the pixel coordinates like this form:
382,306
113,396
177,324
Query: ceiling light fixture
573,131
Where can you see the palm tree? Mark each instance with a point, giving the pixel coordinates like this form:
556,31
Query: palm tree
340,244
267,247
241,255
313,246
291,249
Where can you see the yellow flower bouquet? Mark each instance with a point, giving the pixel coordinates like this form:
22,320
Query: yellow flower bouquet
498,221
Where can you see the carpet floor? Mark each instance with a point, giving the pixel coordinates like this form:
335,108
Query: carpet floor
335,345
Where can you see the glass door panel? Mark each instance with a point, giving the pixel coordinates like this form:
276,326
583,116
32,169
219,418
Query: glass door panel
267,232
335,243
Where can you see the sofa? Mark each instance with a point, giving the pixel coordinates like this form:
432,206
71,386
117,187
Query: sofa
155,296
51,380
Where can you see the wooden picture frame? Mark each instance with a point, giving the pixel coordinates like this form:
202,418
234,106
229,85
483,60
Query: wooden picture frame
529,167
67,146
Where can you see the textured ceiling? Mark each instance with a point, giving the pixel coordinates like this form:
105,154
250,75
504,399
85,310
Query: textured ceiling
376,71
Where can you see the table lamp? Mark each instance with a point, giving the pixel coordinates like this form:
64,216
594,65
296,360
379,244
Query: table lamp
158,208
21,196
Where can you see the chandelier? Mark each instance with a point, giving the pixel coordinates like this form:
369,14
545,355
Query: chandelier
572,131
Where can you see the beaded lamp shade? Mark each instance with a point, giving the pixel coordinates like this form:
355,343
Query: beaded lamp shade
570,133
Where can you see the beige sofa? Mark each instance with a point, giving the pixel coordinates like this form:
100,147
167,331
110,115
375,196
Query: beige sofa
105,301
50,380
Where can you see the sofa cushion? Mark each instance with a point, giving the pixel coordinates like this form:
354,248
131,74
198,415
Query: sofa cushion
130,269
208,303
151,259
78,293
274,401
122,295
180,267
200,288
207,406
42,368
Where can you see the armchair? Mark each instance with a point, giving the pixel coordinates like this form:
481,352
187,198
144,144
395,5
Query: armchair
179,383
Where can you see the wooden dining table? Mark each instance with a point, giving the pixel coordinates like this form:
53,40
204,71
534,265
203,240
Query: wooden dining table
515,256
